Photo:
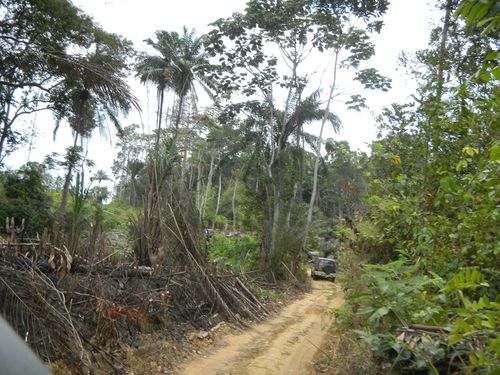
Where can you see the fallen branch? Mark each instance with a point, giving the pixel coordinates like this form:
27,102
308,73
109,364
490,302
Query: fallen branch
427,328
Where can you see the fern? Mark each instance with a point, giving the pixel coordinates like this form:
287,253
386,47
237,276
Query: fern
466,279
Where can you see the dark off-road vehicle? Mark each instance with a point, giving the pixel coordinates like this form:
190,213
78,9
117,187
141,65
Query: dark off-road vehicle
324,268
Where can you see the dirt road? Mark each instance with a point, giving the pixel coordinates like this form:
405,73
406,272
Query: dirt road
284,344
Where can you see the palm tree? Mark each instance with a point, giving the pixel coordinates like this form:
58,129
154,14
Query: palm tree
181,62
305,112
93,91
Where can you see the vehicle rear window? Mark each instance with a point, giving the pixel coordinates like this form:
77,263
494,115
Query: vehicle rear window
325,264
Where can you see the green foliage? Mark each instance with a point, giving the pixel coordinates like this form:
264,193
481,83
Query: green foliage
129,166
277,163
116,216
395,295
24,194
239,252
54,57
434,235
483,13
342,182
218,221
432,217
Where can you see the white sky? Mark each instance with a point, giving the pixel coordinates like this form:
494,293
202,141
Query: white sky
407,26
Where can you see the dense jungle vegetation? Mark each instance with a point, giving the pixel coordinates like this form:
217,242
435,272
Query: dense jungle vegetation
414,223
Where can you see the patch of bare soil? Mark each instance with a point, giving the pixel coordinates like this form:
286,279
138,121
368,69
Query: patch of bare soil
284,344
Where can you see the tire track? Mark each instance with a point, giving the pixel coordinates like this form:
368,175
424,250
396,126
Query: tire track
284,344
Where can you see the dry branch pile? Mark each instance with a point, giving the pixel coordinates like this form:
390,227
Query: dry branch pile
169,232
83,316
82,311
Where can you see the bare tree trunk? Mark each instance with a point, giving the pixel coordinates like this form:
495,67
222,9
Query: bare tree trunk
292,204
217,206
275,211
440,74
433,131
233,203
442,49
191,177
198,187
219,191
133,193
318,154
6,126
276,219
61,212
184,160
161,98
209,183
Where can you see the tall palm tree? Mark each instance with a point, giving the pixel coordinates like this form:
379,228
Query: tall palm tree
181,62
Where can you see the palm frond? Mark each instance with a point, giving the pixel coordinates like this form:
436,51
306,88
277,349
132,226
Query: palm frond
311,140
308,111
180,62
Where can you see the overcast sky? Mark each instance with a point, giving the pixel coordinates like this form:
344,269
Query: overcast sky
407,26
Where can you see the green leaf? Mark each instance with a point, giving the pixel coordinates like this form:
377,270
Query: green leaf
462,164
377,148
366,310
381,312
448,185
496,72
495,153
466,279
477,12
465,8
357,103
492,56
471,151
384,310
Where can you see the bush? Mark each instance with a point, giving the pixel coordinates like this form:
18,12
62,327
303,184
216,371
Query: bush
386,301
24,195
240,252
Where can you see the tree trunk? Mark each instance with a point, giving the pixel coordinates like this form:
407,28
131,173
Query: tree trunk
219,191
276,219
178,117
133,193
433,129
233,203
217,206
5,127
198,187
61,212
273,211
161,98
318,154
209,183
442,49
292,204
440,75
